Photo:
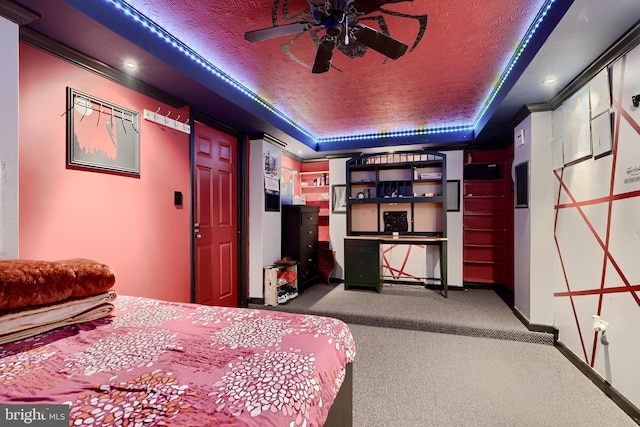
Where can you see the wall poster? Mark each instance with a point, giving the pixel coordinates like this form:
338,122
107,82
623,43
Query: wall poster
576,129
102,135
602,134
271,181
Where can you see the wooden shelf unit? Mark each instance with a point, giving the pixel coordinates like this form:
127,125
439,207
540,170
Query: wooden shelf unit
410,182
487,220
317,194
271,285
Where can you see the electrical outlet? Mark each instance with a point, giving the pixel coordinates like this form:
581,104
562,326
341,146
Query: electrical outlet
599,324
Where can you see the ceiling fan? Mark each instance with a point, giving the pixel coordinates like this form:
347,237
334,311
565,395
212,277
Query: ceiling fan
340,20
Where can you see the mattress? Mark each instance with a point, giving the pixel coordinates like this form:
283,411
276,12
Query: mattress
152,362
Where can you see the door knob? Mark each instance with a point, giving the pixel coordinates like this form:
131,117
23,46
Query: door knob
198,236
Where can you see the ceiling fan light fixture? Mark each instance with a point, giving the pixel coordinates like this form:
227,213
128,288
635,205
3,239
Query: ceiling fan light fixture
333,27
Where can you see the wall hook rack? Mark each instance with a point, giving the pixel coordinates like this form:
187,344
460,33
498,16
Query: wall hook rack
156,117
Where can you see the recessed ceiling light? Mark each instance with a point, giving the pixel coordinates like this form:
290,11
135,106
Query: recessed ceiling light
549,80
299,151
130,65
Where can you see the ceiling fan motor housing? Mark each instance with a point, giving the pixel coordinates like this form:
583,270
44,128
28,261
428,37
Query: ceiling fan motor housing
333,26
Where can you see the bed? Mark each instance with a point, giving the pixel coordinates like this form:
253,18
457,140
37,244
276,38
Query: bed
142,361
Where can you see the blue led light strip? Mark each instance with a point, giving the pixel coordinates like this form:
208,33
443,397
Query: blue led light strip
166,37
516,56
397,134
189,53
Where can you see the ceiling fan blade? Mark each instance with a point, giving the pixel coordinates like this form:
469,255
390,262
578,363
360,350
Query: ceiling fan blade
279,31
388,46
324,55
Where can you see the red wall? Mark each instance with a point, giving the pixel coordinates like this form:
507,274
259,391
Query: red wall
129,223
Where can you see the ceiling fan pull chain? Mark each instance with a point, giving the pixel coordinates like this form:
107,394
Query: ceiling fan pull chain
346,32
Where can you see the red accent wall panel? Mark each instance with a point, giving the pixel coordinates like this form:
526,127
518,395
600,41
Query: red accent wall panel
129,223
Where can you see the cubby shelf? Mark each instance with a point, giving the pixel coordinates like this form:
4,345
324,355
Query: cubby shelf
317,194
410,185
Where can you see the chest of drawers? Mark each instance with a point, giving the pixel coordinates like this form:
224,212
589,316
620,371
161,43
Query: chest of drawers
300,241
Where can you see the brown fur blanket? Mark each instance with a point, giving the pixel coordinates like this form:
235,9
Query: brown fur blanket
27,283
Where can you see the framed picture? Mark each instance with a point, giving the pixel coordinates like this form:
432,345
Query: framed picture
557,153
453,195
576,129
522,185
339,198
601,134
599,93
102,135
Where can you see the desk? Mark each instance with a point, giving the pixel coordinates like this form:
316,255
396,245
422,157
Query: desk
362,258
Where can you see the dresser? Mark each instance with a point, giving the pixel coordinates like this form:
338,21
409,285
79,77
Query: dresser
300,241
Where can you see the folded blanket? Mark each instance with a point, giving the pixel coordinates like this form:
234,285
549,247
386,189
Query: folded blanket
27,283
26,323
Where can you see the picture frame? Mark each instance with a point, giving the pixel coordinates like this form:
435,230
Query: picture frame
599,93
102,136
602,134
453,195
557,153
521,172
339,198
576,129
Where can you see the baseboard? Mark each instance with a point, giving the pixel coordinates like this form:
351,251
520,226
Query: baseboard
534,327
257,301
617,398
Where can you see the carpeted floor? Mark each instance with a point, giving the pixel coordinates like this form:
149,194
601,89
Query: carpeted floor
472,312
466,360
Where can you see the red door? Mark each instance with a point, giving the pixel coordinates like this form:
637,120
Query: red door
216,228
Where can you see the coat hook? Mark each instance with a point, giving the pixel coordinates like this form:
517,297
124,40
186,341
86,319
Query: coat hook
168,114
158,110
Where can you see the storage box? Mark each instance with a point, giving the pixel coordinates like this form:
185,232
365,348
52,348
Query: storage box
431,175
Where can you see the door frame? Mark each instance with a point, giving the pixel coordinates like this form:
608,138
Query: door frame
241,192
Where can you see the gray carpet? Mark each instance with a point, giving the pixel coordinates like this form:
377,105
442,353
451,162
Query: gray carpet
472,312
481,367
415,378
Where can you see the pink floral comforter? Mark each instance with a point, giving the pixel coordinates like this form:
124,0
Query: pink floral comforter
158,363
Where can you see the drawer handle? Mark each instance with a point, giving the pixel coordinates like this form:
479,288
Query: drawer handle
310,259
310,218
309,232
309,245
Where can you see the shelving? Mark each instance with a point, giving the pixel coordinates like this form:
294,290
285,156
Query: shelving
315,188
487,205
272,285
410,186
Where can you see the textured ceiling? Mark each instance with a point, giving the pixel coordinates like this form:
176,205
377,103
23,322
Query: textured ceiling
444,79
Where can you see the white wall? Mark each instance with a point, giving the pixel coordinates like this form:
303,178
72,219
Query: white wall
533,226
9,108
584,240
455,165
337,221
264,227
